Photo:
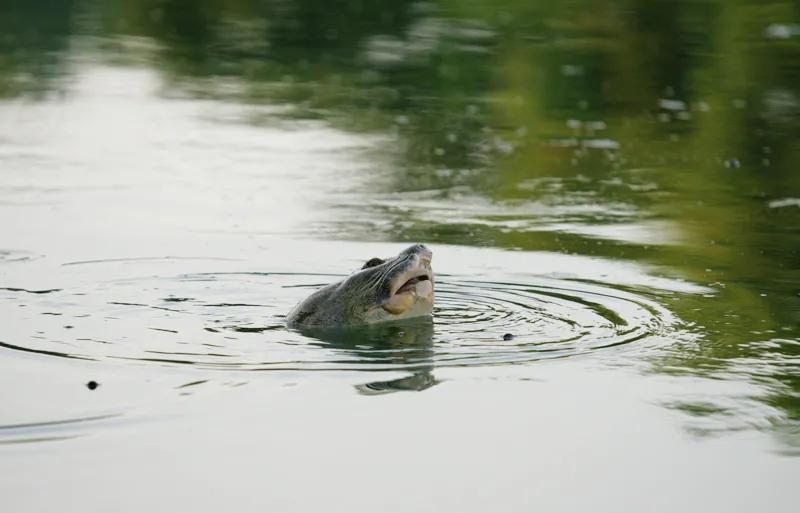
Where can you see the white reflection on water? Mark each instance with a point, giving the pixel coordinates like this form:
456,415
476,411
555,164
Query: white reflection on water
114,154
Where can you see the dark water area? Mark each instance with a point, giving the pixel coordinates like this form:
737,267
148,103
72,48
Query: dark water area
610,190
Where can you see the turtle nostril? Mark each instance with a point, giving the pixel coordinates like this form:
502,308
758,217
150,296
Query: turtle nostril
419,249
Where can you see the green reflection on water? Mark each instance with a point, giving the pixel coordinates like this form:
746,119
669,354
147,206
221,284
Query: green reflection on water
663,132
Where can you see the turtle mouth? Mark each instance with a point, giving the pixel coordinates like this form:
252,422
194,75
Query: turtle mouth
411,284
416,271
411,287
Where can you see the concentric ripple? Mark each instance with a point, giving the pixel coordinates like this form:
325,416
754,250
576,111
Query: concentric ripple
235,321
487,322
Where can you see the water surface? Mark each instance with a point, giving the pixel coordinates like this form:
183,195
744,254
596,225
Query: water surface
609,189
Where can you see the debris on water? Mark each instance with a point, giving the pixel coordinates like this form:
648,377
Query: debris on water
508,336
92,385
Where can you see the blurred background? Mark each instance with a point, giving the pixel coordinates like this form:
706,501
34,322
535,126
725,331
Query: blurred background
658,130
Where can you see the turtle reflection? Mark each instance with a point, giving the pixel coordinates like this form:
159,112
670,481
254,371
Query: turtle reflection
406,346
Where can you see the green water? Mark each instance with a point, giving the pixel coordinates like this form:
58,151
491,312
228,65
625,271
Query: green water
613,183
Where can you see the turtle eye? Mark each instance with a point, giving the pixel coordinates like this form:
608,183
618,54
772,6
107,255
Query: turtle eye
372,262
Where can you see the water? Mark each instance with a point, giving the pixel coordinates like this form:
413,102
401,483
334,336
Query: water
611,198
158,310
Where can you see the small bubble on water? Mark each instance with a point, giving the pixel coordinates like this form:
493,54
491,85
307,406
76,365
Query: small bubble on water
781,31
733,163
596,125
676,105
156,15
572,70
503,147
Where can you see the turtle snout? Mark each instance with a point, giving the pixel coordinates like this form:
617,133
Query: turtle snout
421,251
